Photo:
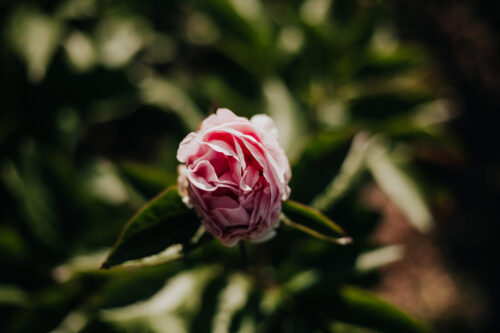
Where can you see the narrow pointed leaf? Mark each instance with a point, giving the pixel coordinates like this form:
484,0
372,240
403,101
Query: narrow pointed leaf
399,186
363,308
350,171
163,222
313,222
150,179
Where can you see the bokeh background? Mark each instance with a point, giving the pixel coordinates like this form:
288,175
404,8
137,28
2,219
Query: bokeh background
388,111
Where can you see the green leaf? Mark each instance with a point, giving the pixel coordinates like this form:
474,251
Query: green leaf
164,222
33,197
283,109
167,95
146,177
12,295
177,300
209,298
324,153
399,186
351,170
313,222
383,106
363,308
35,37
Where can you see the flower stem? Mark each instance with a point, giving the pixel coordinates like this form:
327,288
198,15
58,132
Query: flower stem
243,252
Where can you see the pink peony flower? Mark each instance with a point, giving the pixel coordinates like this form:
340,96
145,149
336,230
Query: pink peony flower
235,175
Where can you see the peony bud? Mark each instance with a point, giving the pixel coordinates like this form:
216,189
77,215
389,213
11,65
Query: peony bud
235,175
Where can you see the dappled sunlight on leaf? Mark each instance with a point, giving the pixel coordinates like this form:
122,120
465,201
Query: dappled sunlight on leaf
333,113
379,257
282,107
81,51
231,299
314,12
291,39
104,183
165,94
87,262
165,308
72,323
402,190
34,36
13,295
120,38
352,167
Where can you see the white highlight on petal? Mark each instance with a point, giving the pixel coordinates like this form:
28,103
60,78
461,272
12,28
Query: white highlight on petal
187,147
264,238
266,123
182,184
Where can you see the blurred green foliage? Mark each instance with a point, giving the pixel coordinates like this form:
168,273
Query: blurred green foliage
96,96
